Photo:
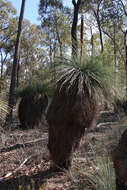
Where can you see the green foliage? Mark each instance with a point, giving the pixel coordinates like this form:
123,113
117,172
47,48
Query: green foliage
8,29
44,5
105,177
32,89
55,23
6,9
90,75
4,109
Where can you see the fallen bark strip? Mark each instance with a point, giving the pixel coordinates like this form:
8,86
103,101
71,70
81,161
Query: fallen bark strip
20,145
7,176
103,126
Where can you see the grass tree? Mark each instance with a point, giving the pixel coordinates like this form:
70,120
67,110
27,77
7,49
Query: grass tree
33,104
74,105
119,157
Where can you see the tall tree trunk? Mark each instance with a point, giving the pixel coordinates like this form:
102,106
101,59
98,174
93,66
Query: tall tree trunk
100,31
15,61
92,43
52,66
59,41
115,58
114,42
125,41
74,28
2,64
17,81
81,36
101,40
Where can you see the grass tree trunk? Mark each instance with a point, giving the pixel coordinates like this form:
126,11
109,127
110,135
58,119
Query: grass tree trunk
31,109
119,157
15,61
74,28
68,117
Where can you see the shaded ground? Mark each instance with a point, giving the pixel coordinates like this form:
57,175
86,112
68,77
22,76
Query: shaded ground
28,166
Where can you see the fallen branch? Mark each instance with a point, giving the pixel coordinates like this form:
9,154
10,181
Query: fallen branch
7,176
20,145
106,123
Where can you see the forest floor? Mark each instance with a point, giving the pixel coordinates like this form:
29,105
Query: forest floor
25,163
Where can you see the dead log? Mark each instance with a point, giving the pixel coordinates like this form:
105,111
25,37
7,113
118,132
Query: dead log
21,145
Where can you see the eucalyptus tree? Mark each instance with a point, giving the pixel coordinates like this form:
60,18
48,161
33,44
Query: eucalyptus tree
96,11
108,16
15,61
111,20
124,6
112,25
48,12
7,11
76,6
56,26
55,22
32,54
7,31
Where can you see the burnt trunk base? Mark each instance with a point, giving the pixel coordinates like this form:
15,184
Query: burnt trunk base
119,157
62,142
120,185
